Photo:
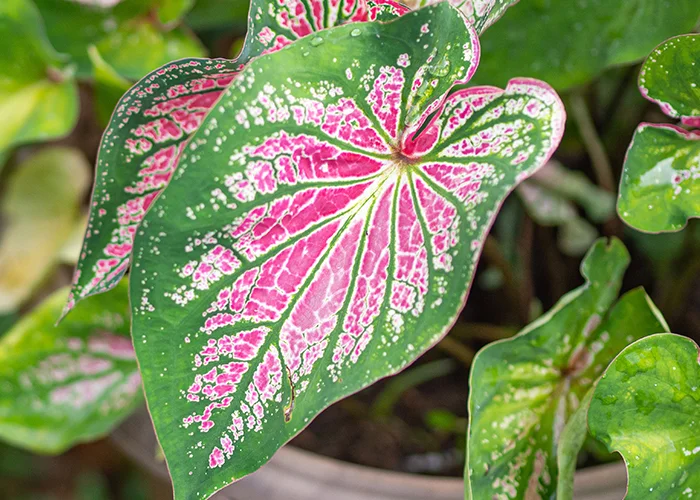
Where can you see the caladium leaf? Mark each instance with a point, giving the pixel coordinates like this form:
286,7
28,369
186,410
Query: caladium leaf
646,407
481,13
524,389
154,120
40,208
670,77
567,46
660,186
63,385
38,96
311,242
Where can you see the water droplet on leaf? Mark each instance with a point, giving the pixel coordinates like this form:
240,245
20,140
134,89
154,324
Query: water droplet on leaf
317,41
356,32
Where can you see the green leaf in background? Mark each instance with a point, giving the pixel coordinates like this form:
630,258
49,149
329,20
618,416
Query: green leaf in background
138,47
550,196
321,232
109,86
6,321
647,407
40,207
671,78
154,120
63,385
524,389
38,96
127,38
567,44
660,186
209,15
170,11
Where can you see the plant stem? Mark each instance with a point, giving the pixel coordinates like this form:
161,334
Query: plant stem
457,350
591,139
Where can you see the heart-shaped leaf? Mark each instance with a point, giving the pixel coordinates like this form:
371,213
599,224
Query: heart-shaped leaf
38,96
647,407
524,389
40,208
568,44
154,120
63,385
320,233
660,187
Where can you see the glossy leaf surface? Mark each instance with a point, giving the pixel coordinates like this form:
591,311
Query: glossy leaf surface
671,78
311,242
154,120
660,186
63,385
40,207
647,407
524,389
568,45
481,13
38,97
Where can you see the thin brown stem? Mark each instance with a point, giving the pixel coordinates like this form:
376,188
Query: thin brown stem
592,142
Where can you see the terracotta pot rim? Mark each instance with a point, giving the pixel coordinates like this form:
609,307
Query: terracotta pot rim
295,474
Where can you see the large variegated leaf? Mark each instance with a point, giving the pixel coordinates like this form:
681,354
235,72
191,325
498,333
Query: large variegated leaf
63,385
523,390
154,120
660,186
647,407
318,235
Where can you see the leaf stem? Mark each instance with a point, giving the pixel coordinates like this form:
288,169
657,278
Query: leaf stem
591,140
457,350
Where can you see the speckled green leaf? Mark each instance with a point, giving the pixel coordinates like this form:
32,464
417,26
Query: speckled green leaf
671,78
647,407
321,232
63,385
38,97
481,13
40,207
567,45
570,442
152,123
660,186
524,389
